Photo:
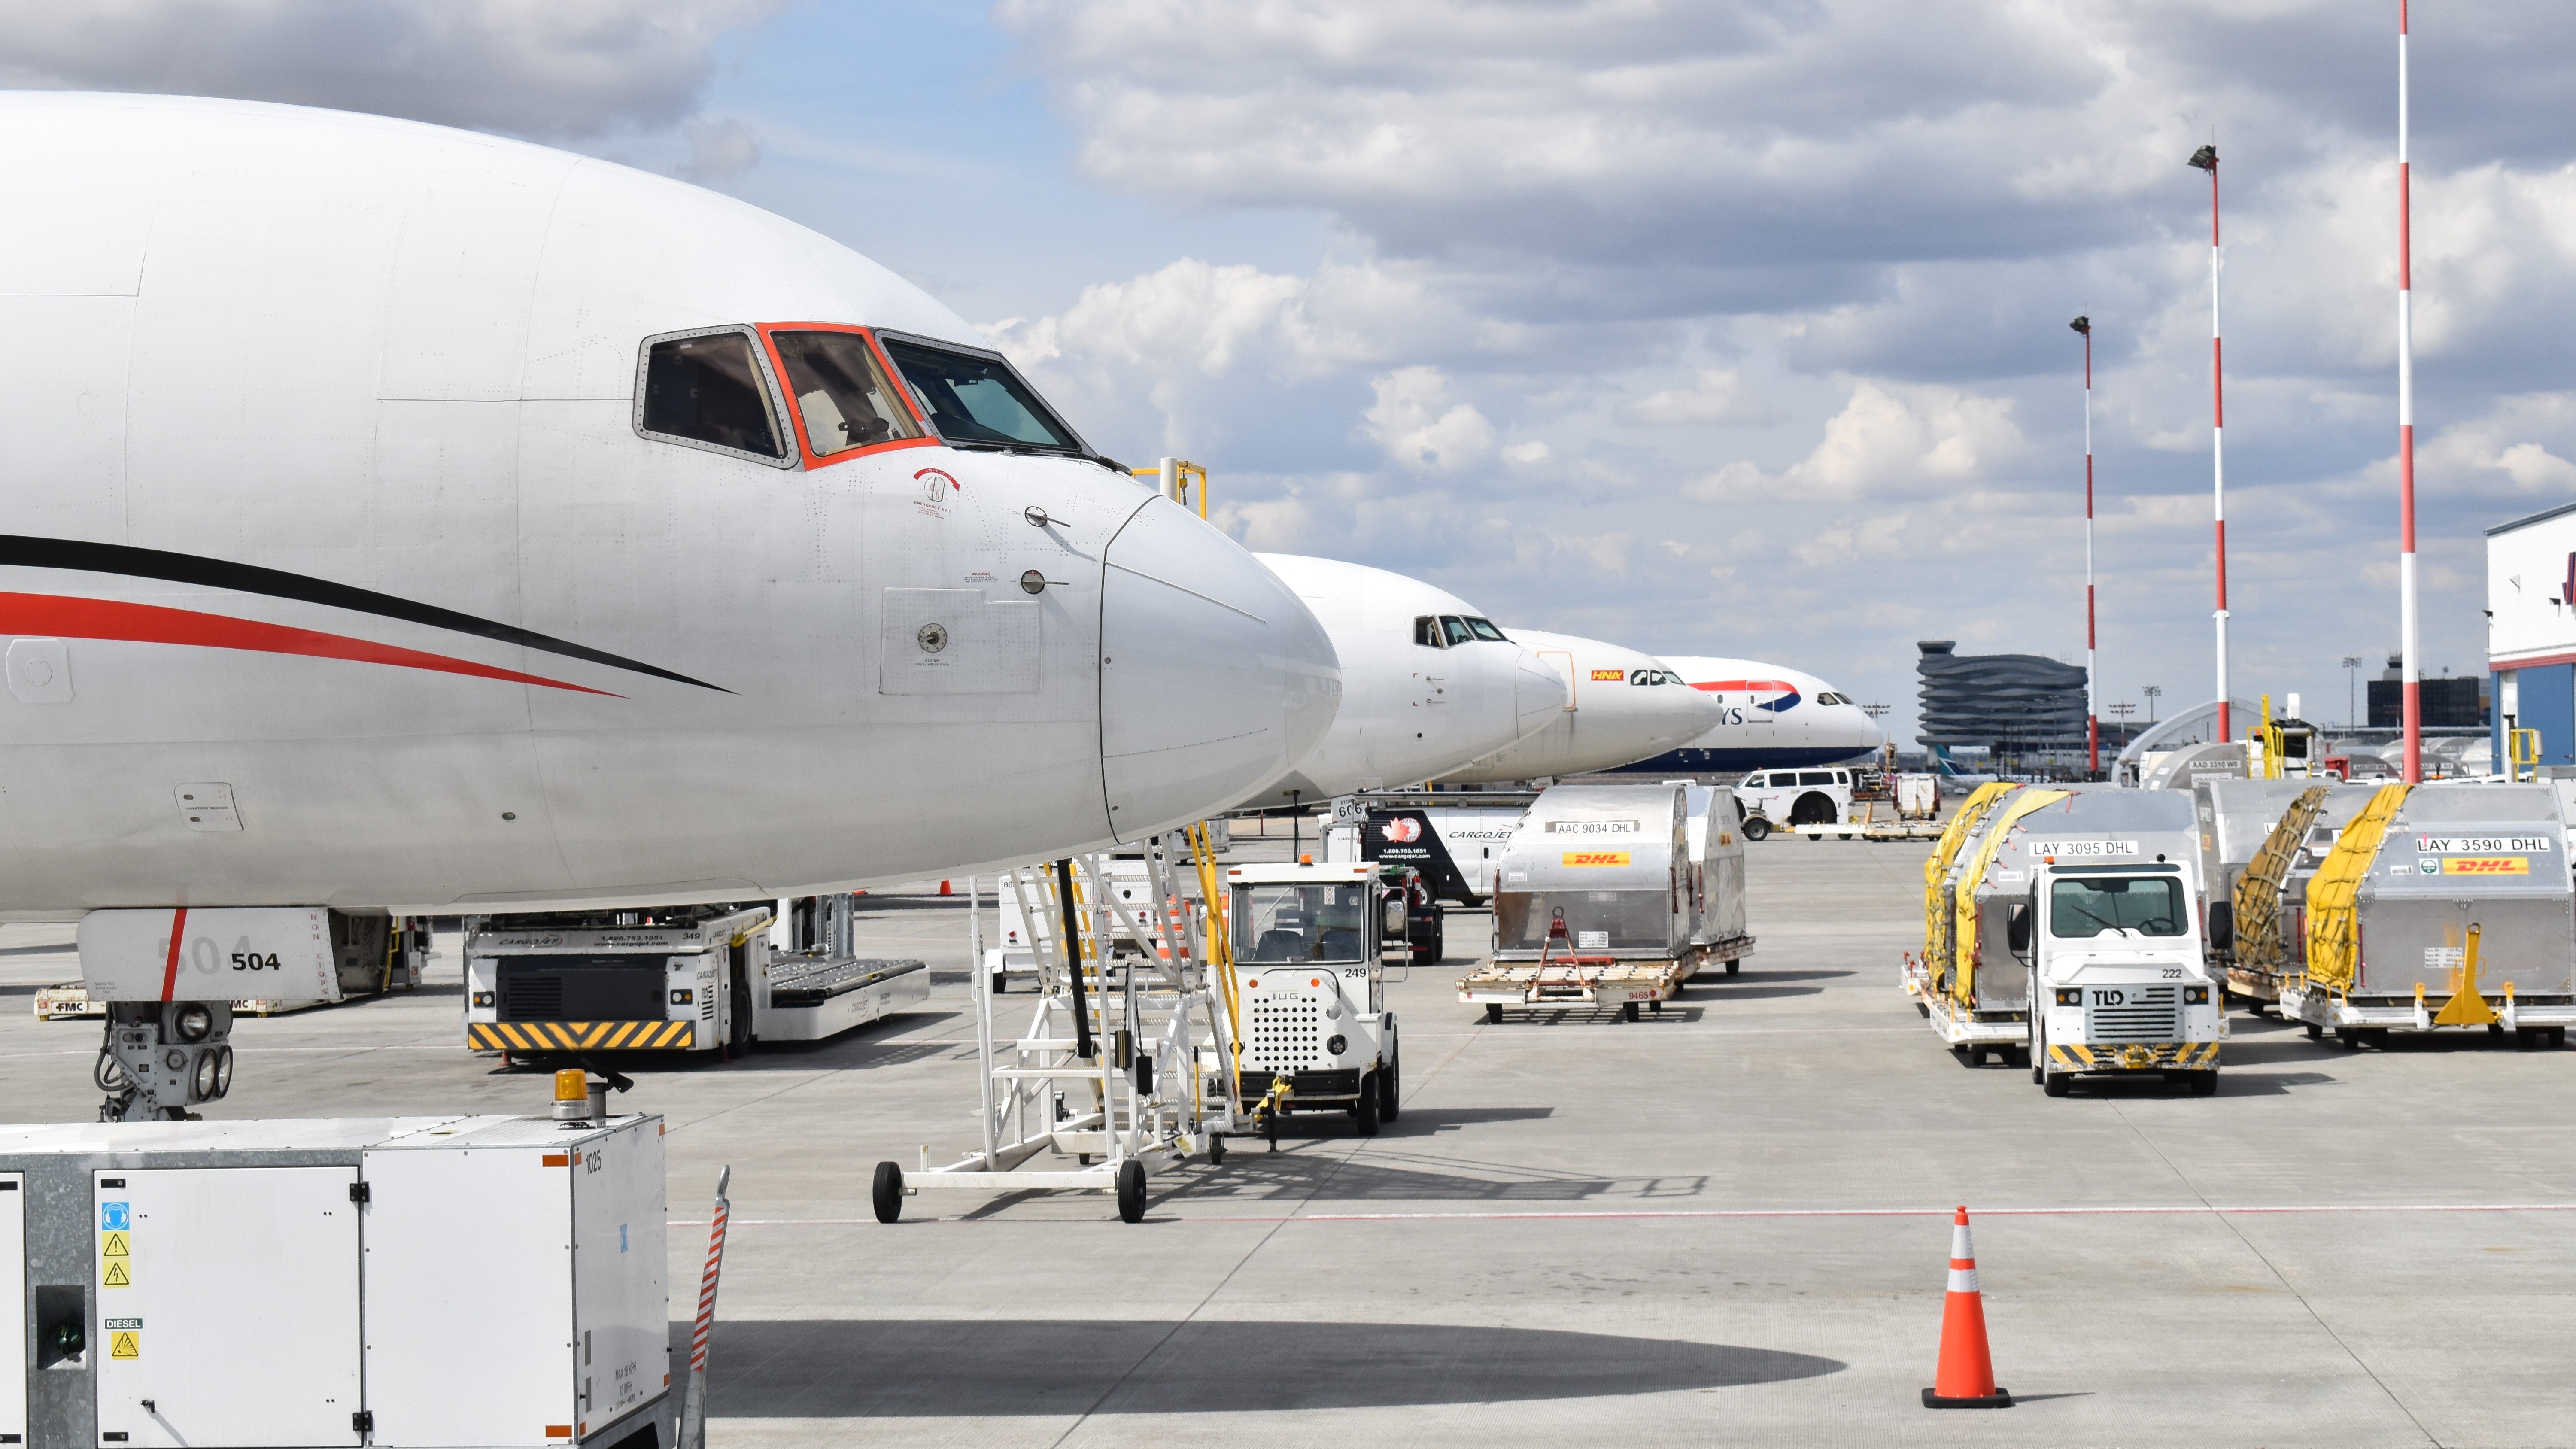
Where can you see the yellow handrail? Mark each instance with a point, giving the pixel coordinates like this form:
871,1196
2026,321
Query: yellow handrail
2334,932
1963,981
2257,892
1183,472
1936,914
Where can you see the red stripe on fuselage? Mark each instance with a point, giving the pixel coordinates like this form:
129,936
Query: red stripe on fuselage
152,624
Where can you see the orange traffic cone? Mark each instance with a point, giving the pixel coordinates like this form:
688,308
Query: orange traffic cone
943,888
1966,1379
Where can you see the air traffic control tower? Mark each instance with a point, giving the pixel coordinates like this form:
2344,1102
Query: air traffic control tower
2010,704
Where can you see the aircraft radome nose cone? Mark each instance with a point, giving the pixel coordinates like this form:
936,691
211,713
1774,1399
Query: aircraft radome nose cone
1214,676
1539,694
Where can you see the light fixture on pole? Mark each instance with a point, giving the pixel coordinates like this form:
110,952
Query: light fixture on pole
2206,158
2092,691
2151,691
2351,690
2411,688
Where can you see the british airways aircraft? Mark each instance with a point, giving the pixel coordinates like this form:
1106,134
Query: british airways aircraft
1769,715
397,518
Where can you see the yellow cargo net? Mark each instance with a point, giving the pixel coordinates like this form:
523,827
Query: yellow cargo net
1963,982
2257,892
2334,924
1936,905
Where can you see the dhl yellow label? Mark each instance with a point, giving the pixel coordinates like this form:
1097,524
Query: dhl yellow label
2486,865
1595,857
1611,676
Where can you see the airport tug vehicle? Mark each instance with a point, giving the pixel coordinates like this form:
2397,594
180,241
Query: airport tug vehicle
1308,943
2116,978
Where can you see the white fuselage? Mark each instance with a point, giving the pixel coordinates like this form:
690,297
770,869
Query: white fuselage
328,489
1768,715
1410,711
1621,707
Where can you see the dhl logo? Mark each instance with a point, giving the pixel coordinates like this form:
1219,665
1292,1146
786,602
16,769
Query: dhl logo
577,1036
1609,676
1596,857
2487,865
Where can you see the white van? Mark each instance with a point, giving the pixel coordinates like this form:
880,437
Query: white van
1776,798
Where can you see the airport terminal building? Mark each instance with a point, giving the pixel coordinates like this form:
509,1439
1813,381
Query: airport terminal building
2012,705
2531,633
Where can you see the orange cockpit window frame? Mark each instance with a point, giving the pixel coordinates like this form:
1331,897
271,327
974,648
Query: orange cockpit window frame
796,415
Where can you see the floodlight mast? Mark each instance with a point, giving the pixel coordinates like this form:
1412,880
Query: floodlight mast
2206,158
2411,686
2092,687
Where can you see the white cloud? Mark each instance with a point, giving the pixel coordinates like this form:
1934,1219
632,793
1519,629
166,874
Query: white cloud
1526,455
1417,425
1718,396
1889,440
563,69
720,149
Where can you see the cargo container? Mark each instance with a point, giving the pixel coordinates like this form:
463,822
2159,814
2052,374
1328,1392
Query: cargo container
2441,905
1597,904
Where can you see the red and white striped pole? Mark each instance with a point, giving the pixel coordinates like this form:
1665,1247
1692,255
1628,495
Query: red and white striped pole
2206,158
2092,681
692,1428
2412,685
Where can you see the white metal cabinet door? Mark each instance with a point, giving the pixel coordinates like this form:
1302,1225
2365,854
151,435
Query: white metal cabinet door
621,1272
227,1306
13,1308
469,1296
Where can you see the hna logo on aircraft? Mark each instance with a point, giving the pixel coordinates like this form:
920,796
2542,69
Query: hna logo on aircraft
1402,831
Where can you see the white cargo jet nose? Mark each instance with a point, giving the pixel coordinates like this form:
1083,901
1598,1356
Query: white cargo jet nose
1214,676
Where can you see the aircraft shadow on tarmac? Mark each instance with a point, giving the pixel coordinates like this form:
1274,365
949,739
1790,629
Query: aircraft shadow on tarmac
1023,1367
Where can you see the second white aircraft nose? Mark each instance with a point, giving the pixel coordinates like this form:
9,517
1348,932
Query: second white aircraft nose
1214,676
1539,693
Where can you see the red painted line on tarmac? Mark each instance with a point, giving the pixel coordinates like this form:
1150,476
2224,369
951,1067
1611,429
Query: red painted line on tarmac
2189,1209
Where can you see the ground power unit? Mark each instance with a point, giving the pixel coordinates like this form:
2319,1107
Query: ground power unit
417,1282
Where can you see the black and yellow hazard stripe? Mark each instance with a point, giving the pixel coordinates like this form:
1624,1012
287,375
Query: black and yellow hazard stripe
579,1036
2184,1056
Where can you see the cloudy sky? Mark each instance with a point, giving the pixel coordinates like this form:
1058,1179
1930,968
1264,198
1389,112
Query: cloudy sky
1729,328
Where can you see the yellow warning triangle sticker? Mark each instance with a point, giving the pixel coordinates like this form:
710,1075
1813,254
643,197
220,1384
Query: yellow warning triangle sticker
116,1276
114,1247
124,1346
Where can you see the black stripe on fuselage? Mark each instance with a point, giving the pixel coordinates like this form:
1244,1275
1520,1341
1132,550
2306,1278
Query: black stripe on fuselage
185,568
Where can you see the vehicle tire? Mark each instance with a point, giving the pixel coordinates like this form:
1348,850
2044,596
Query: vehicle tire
2347,1038
886,1195
1493,1011
1627,1011
1216,1149
1131,1192
1813,808
2205,1084
1001,983
1923,1009
2056,1083
2557,1037
1364,1111
2524,1038
738,1031
2017,1056
2035,1056
1731,965
1390,1078
2315,1032
1757,828
1427,952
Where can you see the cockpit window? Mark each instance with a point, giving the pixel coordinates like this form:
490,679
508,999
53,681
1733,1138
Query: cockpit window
1485,630
1426,632
709,389
840,392
978,400
1457,630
